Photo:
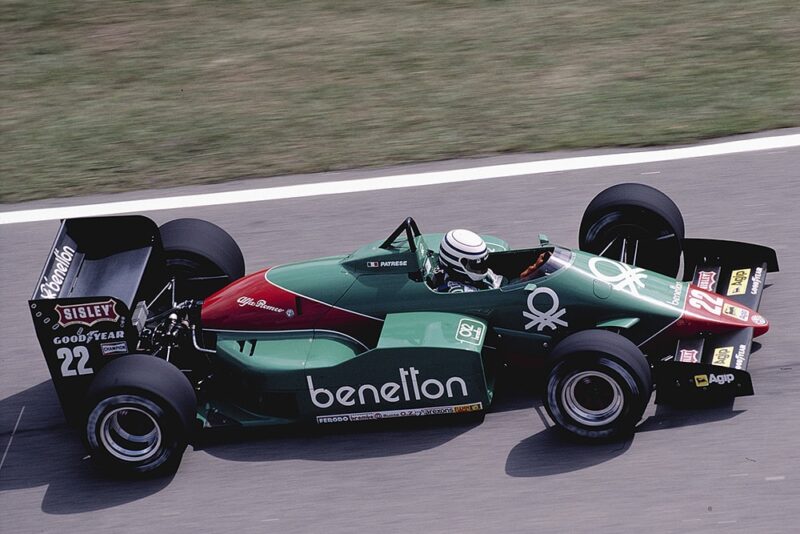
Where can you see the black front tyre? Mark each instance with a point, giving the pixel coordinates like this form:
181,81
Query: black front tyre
598,385
635,224
140,413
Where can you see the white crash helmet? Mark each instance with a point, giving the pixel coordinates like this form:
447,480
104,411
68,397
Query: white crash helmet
463,253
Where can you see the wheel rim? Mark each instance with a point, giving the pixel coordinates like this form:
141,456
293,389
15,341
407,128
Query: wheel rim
130,434
592,398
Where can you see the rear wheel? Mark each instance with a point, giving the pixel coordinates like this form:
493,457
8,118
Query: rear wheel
635,224
201,256
140,412
598,385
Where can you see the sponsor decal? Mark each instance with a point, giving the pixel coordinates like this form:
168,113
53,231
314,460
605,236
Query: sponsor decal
409,389
51,283
722,356
542,319
467,408
677,289
758,320
119,347
738,283
74,361
736,312
470,331
88,337
88,314
709,302
625,278
389,414
721,379
260,303
707,280
757,278
389,263
702,381
688,356
739,357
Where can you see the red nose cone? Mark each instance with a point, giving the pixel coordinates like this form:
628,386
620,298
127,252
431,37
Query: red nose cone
710,312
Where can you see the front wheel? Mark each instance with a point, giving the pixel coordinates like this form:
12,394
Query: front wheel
140,412
635,224
598,385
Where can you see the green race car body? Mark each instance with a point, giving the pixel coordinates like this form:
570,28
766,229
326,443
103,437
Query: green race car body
370,335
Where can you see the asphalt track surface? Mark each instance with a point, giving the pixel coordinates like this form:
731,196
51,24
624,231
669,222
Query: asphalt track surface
731,468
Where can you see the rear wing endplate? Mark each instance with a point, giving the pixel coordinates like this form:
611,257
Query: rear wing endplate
97,270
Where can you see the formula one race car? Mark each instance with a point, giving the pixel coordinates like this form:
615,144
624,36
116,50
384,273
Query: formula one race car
150,332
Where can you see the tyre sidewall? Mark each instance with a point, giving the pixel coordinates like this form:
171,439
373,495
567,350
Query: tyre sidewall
634,394
173,435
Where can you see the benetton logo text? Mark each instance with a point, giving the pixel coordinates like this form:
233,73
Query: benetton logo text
408,389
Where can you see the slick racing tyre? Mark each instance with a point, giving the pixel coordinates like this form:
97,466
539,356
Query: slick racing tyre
140,411
635,224
201,256
598,385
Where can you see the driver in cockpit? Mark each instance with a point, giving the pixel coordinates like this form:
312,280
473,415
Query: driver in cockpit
463,262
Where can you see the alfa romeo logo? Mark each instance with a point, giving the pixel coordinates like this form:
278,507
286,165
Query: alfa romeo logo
541,319
624,277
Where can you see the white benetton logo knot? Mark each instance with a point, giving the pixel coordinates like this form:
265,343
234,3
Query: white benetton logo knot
628,278
549,318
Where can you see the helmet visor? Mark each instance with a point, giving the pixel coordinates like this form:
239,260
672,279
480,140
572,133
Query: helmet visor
476,266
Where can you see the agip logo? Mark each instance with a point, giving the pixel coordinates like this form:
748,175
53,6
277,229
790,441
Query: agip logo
738,283
702,381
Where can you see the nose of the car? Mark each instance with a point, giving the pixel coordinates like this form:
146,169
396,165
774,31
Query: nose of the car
706,311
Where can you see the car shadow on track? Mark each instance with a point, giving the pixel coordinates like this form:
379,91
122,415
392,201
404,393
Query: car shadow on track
550,452
373,439
333,444
44,451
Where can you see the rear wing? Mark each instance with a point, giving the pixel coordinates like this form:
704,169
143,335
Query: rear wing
96,272
715,366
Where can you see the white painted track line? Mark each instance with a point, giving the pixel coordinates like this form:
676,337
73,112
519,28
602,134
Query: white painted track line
402,180
11,437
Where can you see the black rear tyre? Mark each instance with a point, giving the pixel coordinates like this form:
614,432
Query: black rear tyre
635,224
140,411
598,385
201,256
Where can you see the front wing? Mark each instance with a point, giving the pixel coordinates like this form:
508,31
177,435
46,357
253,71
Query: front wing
715,366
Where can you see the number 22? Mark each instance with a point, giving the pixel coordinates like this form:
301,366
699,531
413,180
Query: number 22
79,353
700,299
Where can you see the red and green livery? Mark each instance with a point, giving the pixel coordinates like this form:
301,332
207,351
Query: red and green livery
149,332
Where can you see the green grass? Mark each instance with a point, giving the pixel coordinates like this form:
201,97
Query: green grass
121,94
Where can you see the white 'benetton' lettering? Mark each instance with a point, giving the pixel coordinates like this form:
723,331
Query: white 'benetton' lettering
409,389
